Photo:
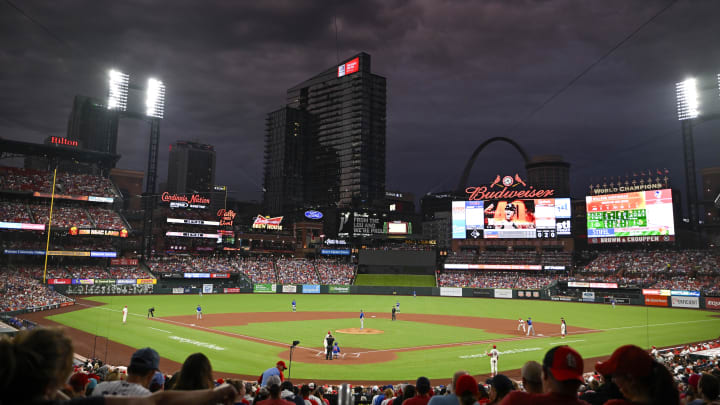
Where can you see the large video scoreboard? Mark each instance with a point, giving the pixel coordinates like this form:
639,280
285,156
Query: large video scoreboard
519,218
628,217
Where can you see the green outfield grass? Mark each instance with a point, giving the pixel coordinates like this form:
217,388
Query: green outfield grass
643,326
403,280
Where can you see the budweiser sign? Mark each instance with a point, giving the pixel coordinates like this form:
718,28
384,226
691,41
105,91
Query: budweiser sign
503,188
194,198
262,222
227,217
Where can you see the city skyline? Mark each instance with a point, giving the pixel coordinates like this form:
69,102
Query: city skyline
457,74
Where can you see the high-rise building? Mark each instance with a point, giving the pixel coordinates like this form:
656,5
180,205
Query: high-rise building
191,168
711,196
93,125
549,172
285,160
342,163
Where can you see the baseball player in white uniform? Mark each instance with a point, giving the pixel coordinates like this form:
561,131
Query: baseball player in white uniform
494,354
125,314
521,324
563,328
325,344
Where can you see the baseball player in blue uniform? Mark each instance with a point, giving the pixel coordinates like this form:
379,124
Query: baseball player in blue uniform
530,326
198,315
362,319
294,305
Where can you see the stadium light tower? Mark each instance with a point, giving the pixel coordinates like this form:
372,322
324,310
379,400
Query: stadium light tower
688,109
118,83
155,101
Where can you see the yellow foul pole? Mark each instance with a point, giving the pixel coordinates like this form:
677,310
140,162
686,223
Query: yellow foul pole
47,244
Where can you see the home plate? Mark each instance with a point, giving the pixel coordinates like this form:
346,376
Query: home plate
192,324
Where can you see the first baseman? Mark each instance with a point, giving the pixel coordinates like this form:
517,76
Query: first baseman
521,324
563,328
198,315
530,326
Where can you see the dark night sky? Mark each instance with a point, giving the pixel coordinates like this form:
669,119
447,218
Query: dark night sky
458,73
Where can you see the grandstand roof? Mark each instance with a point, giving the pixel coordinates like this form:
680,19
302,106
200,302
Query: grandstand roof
105,160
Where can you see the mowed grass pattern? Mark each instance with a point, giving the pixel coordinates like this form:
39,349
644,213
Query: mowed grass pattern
395,280
643,326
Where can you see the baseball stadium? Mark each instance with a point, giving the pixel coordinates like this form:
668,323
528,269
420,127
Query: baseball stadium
333,286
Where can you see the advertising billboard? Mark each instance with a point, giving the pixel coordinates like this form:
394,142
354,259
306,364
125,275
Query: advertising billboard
641,216
501,219
349,67
192,222
685,302
360,224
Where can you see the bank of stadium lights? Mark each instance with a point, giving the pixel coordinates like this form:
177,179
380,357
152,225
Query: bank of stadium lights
155,101
687,99
118,90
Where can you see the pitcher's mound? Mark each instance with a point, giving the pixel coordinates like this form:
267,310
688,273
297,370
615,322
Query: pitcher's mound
358,331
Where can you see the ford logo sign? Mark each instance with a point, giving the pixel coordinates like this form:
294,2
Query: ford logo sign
313,214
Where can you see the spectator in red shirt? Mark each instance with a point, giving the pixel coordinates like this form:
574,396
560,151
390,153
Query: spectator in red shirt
423,390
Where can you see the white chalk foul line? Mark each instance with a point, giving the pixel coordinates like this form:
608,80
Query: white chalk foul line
161,330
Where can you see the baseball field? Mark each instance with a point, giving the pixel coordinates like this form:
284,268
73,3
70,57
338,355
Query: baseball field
244,334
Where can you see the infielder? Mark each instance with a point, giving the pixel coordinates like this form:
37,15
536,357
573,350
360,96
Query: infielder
530,327
198,315
397,305
563,328
124,314
613,302
494,354
362,319
294,305
521,325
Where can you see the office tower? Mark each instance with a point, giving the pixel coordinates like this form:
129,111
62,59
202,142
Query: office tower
191,168
93,125
341,158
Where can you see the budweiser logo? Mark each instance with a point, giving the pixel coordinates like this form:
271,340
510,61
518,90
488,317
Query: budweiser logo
262,222
194,198
503,191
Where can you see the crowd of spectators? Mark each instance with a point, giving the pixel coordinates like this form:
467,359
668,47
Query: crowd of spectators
19,179
513,257
14,212
80,271
334,272
495,279
65,243
261,269
630,375
296,271
62,216
106,218
20,292
680,270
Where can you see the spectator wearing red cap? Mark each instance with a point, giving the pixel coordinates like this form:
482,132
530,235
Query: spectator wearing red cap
562,376
277,370
641,379
450,398
708,390
466,389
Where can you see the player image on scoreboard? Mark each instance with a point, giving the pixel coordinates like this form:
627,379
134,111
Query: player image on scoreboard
517,214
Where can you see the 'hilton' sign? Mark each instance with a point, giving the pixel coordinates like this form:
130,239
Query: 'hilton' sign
62,141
